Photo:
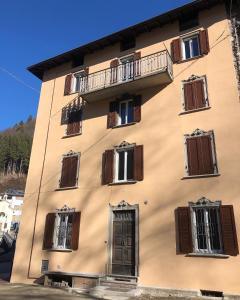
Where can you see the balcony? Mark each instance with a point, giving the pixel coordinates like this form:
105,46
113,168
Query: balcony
129,77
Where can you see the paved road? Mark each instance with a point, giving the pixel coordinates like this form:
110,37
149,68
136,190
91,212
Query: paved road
33,292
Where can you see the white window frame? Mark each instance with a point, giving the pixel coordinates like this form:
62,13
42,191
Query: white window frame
126,114
80,74
198,133
56,231
129,65
205,88
193,207
116,163
189,37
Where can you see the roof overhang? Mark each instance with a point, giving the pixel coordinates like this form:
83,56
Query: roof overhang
158,21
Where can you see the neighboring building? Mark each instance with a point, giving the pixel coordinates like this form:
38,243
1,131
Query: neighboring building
134,172
10,211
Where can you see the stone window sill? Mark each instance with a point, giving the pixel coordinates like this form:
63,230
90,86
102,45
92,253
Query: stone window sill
67,188
124,125
190,59
213,255
194,110
60,250
201,176
123,182
71,135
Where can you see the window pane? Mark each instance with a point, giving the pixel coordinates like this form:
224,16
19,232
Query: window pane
200,229
61,230
121,165
130,112
195,46
69,231
213,229
187,49
123,113
77,83
130,164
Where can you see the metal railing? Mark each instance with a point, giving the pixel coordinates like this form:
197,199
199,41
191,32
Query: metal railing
125,72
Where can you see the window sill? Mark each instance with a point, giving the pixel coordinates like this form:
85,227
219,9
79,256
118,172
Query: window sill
214,255
200,176
67,188
194,110
71,135
60,250
123,182
190,59
124,125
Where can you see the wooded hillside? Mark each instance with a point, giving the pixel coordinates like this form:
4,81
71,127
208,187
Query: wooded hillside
15,150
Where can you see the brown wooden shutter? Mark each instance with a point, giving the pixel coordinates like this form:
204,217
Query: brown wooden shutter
183,230
138,163
48,231
74,125
137,103
114,70
194,97
176,51
75,230
68,84
204,41
107,166
112,114
205,156
192,155
229,234
198,92
188,96
69,171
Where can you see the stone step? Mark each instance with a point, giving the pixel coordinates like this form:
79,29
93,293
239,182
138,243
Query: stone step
118,284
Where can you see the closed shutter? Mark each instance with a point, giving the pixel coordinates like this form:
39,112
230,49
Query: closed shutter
68,84
183,230
75,230
176,51
137,108
200,156
69,171
137,63
194,97
229,234
48,231
74,125
112,114
192,156
107,166
188,96
114,71
204,42
198,92
138,163
205,155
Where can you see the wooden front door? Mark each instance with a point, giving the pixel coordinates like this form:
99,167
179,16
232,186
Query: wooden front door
123,248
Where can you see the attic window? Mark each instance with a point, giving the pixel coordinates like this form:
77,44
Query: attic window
188,21
127,43
78,61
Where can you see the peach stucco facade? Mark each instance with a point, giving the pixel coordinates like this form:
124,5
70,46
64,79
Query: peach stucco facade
163,189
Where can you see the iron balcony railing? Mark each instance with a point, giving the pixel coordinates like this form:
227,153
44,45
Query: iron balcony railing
124,72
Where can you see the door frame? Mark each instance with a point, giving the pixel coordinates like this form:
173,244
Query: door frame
122,206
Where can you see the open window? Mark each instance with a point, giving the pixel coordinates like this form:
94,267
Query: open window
206,228
123,164
62,230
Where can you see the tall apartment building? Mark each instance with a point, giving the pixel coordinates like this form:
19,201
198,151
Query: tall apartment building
134,172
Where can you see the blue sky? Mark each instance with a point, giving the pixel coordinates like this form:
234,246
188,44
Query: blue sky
31,31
